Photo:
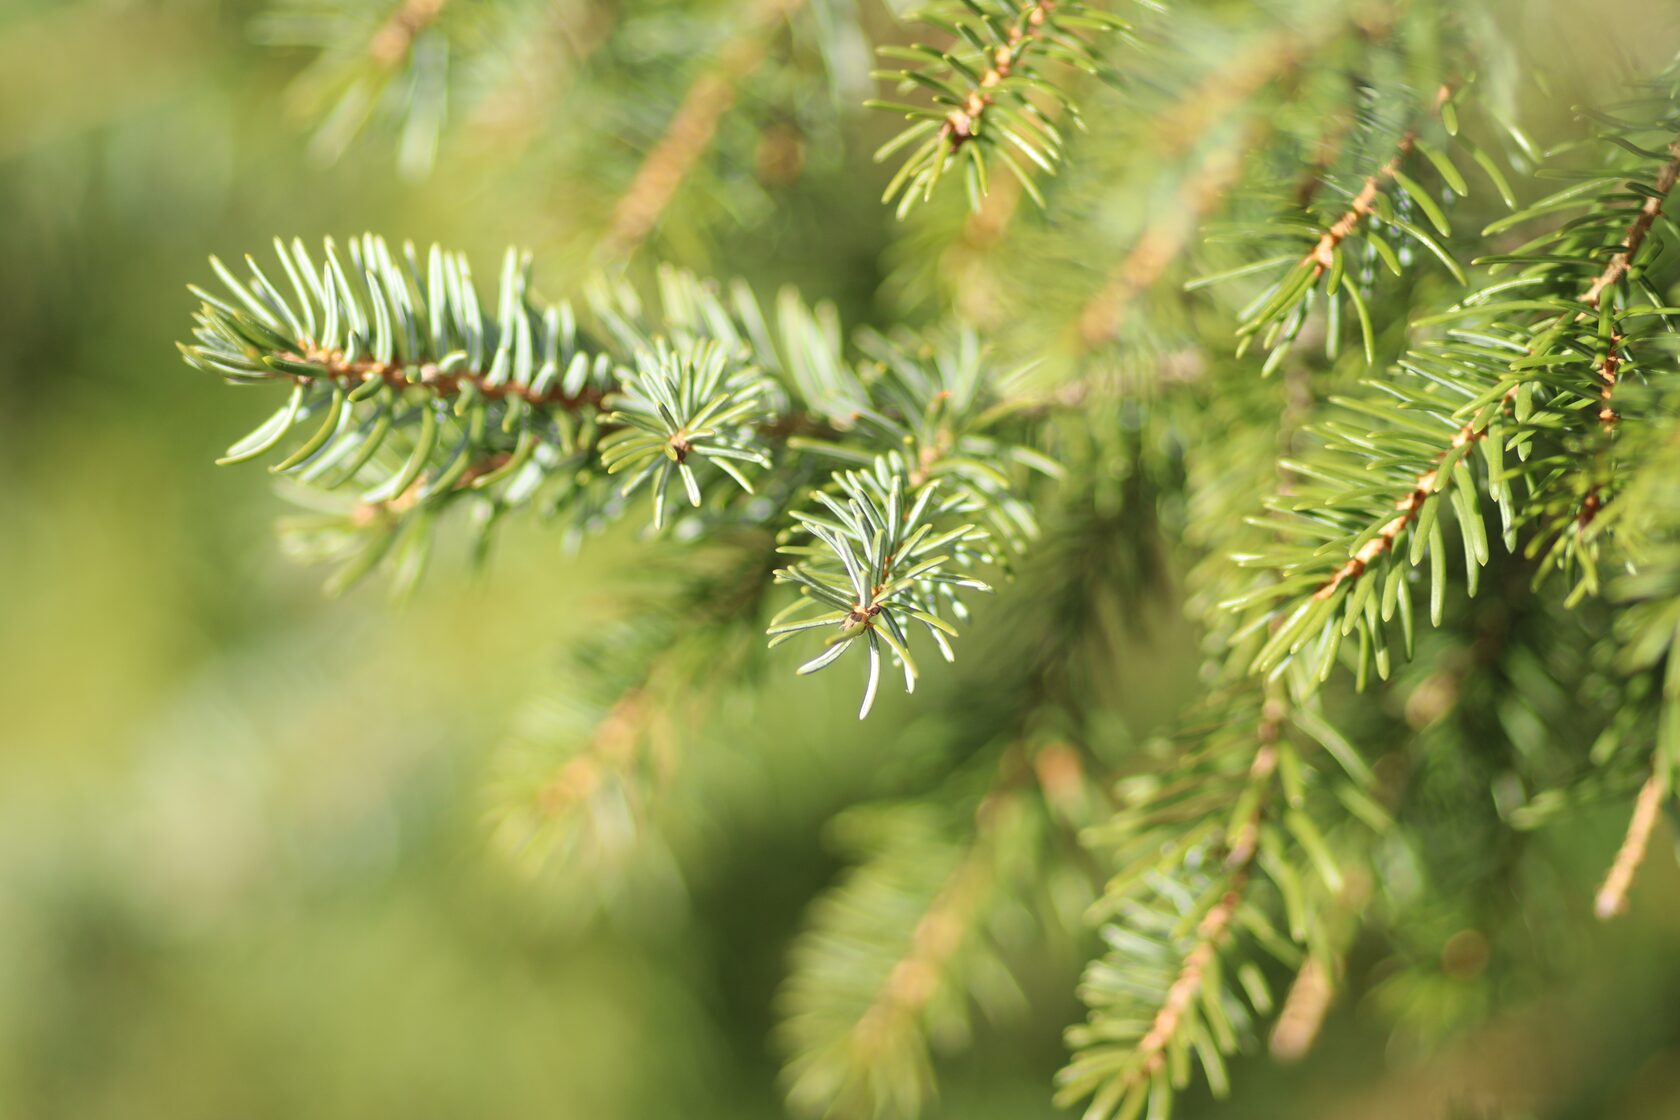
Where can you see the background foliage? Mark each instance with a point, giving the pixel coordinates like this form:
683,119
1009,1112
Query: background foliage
254,846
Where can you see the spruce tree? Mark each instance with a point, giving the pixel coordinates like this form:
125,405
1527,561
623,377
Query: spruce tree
1284,314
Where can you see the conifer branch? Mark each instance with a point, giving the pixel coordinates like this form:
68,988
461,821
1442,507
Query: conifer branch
952,916
691,130
1198,854
419,398
1211,930
964,121
1277,315
916,923
980,87
1322,256
1161,243
1617,267
1410,506
445,385
1272,60
1518,364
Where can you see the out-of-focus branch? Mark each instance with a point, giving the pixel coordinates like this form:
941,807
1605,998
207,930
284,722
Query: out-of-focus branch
690,131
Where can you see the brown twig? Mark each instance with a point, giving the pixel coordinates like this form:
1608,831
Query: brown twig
1162,240
939,934
1210,931
1323,255
1410,506
1612,896
690,132
1647,217
336,368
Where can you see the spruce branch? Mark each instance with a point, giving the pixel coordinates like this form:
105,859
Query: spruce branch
884,554
418,397
980,91
899,953
602,765
1379,208
1410,505
1207,845
1271,61
1620,261
1322,256
691,130
1547,372
393,61
682,406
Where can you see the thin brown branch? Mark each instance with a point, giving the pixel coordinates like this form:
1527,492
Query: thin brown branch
1612,896
1161,242
690,131
349,374
1642,223
1210,931
1323,254
939,934
1410,506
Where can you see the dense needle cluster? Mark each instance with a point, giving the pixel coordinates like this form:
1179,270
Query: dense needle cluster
1157,399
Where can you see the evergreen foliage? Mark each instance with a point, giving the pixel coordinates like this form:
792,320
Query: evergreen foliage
1363,353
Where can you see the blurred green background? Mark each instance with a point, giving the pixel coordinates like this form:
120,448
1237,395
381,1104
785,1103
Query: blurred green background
244,858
